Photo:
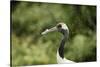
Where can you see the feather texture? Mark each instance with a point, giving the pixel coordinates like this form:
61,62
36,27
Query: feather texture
61,60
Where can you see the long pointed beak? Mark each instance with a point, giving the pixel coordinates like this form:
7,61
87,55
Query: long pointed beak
49,30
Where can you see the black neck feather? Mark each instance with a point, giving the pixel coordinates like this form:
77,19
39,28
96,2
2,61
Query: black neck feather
61,48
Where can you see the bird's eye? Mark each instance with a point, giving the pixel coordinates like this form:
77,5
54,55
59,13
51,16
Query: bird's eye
59,26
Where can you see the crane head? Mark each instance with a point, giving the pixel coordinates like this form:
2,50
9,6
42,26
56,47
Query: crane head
60,27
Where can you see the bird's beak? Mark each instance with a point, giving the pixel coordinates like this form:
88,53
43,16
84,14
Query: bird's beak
49,30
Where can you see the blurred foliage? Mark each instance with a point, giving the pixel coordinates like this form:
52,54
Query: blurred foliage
29,19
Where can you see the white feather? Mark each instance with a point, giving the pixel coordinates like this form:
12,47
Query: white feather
62,60
64,26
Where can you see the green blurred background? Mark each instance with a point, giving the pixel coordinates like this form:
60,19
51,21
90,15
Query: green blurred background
29,19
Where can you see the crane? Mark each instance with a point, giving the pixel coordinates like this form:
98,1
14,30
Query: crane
62,28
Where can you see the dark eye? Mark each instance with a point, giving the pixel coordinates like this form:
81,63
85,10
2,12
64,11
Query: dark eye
59,26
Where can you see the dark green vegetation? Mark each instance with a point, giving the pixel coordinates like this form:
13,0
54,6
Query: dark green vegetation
30,19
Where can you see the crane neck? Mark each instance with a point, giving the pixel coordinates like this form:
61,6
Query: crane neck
61,47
